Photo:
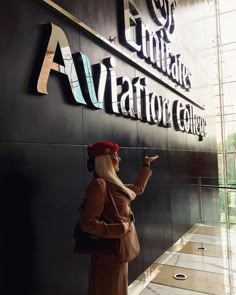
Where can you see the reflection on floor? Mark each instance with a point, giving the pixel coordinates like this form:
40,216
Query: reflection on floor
205,254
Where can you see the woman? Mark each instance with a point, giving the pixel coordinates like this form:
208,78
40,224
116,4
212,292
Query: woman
109,273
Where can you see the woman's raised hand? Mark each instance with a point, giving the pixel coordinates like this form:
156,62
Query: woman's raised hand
147,160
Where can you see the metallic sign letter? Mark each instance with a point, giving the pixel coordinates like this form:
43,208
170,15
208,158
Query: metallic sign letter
130,16
87,80
156,108
100,79
162,12
126,97
58,40
110,62
178,119
138,91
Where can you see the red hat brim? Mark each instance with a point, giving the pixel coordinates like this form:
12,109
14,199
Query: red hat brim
102,148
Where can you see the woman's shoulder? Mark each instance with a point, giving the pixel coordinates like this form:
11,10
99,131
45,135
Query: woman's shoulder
97,182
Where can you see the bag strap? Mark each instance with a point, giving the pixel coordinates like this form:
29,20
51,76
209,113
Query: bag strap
112,200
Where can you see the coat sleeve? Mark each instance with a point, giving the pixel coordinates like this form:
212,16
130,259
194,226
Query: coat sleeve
142,179
92,211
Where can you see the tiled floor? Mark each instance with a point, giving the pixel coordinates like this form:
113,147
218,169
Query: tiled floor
209,271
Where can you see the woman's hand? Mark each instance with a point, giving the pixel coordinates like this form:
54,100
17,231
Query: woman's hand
126,225
147,160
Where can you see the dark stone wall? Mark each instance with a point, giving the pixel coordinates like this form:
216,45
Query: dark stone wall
43,140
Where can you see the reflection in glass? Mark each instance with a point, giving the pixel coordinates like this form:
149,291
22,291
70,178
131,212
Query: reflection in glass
230,169
231,196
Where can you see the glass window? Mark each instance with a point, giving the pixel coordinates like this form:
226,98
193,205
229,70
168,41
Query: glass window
230,169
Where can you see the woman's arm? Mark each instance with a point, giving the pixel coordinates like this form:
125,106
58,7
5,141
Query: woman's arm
143,177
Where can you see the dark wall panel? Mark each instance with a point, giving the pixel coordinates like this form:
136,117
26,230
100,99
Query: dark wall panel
110,127
41,187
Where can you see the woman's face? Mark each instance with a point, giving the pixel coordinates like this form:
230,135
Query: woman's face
115,161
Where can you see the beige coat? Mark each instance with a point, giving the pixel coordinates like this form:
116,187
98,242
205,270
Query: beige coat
115,269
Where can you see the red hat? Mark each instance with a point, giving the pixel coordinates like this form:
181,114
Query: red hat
102,148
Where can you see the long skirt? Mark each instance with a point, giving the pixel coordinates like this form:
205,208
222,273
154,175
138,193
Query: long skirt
107,276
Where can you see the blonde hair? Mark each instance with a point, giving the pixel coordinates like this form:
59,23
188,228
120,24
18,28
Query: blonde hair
104,168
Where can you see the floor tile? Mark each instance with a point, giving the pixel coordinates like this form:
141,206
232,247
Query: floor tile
156,289
205,282
208,239
206,230
191,248
204,263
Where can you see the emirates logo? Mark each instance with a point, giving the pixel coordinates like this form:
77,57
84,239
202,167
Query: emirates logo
162,12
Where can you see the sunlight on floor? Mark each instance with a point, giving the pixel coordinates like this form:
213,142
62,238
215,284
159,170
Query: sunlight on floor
205,254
